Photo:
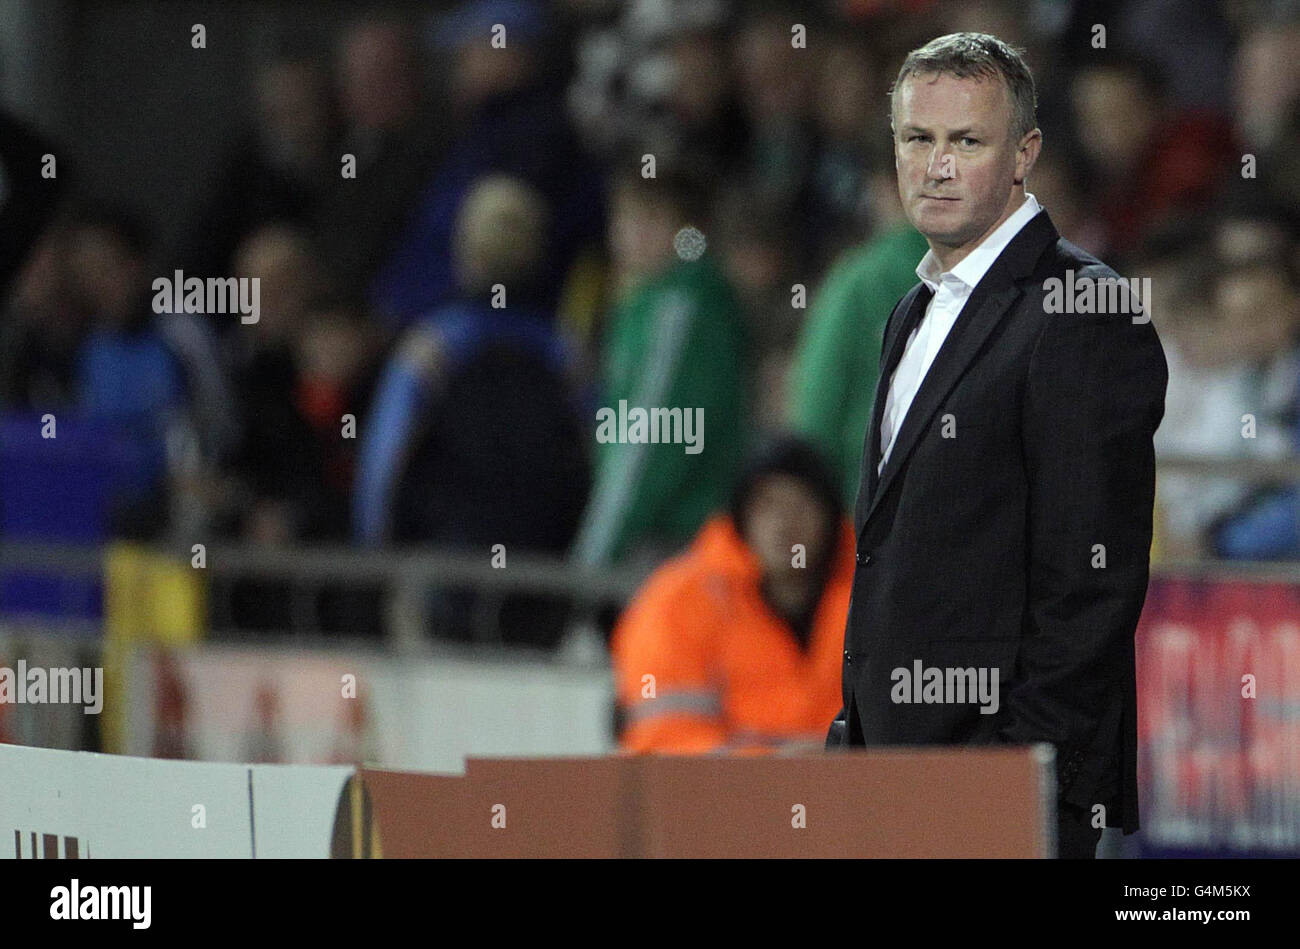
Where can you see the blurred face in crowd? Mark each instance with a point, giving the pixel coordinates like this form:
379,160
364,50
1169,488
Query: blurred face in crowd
43,279
1266,80
1114,114
282,262
501,233
641,235
107,273
782,512
1257,312
755,264
378,76
332,347
774,76
700,78
294,111
1240,240
483,71
844,92
960,171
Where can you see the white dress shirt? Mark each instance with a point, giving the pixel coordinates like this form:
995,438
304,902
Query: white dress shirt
951,291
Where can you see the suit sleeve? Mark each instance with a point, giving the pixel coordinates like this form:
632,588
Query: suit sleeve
1093,398
837,733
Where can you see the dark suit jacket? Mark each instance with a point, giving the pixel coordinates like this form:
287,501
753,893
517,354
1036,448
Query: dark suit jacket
982,549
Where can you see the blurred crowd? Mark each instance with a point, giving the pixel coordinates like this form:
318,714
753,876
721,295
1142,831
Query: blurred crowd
684,203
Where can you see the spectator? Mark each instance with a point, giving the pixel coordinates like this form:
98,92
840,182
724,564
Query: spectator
833,379
474,402
736,644
776,83
702,125
1257,296
1054,187
754,245
1144,160
28,197
287,491
153,378
1227,360
276,170
1266,93
397,137
306,388
42,330
847,116
1266,83
656,78
506,119
474,439
335,356
675,340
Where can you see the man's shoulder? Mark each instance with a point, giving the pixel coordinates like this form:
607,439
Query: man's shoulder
1072,287
1063,256
1069,279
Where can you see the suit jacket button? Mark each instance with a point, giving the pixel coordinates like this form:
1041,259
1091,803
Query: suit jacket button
848,656
863,559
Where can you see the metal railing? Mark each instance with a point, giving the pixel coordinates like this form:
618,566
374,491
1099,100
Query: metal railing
1254,470
406,577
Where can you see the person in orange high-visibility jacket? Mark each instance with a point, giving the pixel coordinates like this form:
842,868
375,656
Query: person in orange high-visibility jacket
736,644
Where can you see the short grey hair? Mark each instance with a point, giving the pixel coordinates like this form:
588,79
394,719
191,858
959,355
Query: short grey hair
976,56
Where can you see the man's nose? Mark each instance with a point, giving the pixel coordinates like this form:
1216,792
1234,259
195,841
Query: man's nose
942,165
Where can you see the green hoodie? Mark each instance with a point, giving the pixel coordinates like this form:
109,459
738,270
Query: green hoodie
676,341
833,379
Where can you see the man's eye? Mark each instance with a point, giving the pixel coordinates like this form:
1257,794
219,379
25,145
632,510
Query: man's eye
967,140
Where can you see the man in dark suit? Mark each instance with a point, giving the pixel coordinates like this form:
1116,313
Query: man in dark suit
1005,511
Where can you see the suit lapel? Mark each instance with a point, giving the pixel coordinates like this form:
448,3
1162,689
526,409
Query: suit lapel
992,299
964,340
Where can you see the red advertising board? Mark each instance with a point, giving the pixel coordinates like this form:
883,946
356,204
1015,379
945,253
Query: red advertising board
1219,715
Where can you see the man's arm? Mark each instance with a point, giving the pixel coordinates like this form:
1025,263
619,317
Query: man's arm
1093,398
838,733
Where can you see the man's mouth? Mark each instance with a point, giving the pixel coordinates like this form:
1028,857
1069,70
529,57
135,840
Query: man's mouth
935,197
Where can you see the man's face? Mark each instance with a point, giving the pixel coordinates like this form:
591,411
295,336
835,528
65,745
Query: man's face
640,234
1257,311
957,162
107,273
379,88
782,512
1115,118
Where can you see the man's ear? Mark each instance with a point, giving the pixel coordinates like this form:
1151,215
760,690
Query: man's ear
1027,154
